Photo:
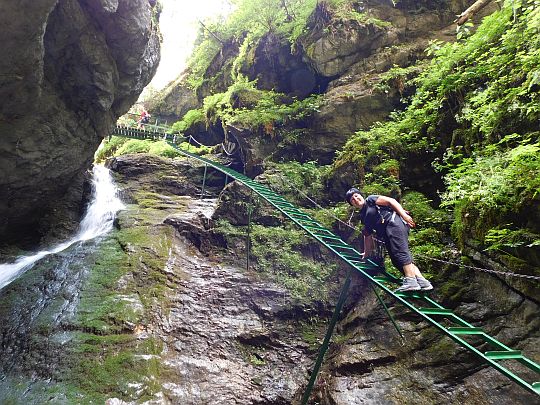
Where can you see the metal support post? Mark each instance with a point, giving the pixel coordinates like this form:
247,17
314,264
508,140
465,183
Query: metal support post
328,336
204,180
387,312
249,210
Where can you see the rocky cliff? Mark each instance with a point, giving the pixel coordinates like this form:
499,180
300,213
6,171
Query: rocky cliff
69,69
342,58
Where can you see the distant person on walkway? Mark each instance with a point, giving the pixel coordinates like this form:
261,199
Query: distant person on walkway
143,119
385,217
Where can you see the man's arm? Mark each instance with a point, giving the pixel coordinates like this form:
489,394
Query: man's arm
390,202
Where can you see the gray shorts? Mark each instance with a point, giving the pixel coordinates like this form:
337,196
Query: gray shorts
397,242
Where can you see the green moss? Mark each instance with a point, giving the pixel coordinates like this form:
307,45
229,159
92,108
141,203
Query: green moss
423,212
256,360
190,119
120,370
312,332
245,105
109,147
280,254
296,181
109,359
98,309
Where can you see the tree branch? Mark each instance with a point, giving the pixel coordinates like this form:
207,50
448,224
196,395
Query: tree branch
472,10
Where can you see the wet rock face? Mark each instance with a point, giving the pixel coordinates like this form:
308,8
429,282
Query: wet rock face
376,366
69,69
228,337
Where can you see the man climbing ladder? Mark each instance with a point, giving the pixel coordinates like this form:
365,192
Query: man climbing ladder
387,218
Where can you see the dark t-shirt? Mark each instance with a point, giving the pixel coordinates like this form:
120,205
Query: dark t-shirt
375,217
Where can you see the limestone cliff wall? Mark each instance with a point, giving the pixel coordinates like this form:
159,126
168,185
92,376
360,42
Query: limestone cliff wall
68,70
342,59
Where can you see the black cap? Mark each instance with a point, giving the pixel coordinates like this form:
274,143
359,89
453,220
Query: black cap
350,193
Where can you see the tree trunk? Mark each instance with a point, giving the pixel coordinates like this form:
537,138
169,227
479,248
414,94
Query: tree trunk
472,10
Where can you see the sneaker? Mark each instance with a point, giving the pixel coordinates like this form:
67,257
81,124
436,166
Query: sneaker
424,284
409,284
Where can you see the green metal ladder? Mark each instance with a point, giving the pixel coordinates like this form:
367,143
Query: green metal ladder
417,302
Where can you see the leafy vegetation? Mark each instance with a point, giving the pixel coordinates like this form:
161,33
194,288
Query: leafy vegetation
475,114
243,104
118,146
284,254
297,181
253,19
192,117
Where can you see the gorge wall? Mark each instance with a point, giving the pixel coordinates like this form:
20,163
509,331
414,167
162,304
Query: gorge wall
69,69
343,59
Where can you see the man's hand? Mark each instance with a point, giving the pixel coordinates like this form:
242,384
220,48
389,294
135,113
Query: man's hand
407,218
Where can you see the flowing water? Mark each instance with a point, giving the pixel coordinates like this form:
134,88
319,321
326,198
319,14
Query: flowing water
97,221
42,290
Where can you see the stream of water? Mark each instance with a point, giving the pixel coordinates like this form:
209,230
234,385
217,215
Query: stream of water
98,220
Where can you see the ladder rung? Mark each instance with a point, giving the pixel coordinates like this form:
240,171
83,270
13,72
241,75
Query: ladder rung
296,212
269,194
383,279
316,226
531,365
340,246
536,386
289,210
318,229
419,294
285,204
356,262
353,256
458,330
275,200
333,237
435,311
312,224
504,354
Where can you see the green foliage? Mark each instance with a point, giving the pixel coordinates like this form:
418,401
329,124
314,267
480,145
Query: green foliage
507,178
189,119
504,239
423,212
279,253
201,59
160,148
245,105
293,178
278,250
118,146
493,190
327,216
374,155
108,148
253,19
134,146
476,111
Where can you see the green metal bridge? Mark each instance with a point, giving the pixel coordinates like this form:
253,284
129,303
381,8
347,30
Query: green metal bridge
429,310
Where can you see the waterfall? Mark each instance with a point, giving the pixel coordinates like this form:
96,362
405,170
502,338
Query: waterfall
97,221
